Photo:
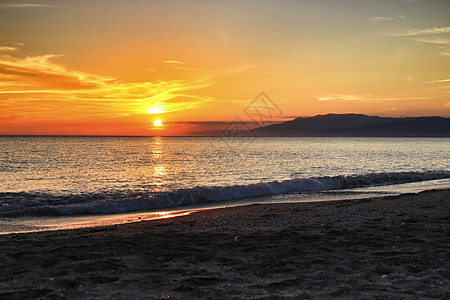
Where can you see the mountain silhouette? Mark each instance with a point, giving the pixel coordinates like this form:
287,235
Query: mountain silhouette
358,125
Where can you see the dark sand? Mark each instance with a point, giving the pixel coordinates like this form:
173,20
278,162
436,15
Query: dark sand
393,247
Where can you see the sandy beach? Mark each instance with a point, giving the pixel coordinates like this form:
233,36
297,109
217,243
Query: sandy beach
391,247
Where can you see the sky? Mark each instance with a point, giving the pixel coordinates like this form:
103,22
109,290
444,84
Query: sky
110,67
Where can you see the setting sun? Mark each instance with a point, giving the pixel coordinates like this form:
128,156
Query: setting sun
157,123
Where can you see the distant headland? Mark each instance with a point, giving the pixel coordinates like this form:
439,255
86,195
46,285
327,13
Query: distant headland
358,125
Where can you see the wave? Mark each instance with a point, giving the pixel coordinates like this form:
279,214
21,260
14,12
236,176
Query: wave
30,204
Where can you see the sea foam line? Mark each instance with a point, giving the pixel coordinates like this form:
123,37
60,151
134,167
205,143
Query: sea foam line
187,197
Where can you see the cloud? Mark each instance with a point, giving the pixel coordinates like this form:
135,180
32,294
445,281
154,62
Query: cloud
8,49
220,123
182,67
365,98
340,97
439,81
30,5
216,128
39,71
433,35
431,40
211,123
174,62
55,91
378,19
40,90
424,31
383,19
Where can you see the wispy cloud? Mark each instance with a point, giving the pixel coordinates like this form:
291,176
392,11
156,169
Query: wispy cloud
30,5
215,123
183,67
384,19
431,40
341,97
8,49
365,98
56,91
439,81
379,19
39,71
174,62
423,31
432,35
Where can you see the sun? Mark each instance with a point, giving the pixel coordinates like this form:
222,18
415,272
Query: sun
157,123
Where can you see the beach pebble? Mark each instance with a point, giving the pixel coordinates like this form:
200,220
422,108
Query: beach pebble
240,260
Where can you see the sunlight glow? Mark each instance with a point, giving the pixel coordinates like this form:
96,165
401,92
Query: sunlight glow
199,72
155,110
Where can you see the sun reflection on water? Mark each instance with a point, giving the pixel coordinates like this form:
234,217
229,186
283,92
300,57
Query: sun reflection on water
158,174
159,170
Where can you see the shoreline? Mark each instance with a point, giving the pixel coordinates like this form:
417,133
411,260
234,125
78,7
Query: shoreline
374,247
30,224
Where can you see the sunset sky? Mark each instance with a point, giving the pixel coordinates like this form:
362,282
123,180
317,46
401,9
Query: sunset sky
114,67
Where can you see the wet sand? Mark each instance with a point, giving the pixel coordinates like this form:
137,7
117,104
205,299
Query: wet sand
391,247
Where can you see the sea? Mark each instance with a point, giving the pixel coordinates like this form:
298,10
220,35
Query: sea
46,181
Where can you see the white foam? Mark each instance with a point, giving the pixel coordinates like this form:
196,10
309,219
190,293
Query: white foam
187,197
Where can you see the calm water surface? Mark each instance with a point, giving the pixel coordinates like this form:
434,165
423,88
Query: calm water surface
72,165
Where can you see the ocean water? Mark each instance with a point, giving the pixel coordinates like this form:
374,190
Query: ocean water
56,176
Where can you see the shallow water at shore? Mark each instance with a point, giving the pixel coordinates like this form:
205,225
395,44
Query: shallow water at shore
34,224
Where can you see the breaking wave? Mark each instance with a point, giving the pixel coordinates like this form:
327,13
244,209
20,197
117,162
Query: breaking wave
40,204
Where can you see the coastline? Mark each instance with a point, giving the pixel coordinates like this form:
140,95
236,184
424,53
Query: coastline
376,247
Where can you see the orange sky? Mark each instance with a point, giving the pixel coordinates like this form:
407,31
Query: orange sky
113,67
